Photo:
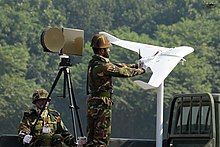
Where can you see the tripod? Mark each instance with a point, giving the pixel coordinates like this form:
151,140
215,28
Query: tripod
64,64
64,68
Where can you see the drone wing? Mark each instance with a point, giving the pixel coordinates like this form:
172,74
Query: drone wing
164,64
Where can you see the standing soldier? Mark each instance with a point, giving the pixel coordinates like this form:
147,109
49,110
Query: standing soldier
99,86
49,130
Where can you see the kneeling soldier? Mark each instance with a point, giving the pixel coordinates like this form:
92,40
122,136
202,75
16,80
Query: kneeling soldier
49,130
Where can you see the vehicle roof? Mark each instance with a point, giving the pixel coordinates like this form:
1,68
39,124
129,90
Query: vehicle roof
216,96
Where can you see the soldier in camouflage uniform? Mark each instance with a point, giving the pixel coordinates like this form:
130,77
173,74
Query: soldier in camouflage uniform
49,130
99,86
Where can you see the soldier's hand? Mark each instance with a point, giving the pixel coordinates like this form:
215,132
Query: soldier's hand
142,65
27,139
81,141
145,68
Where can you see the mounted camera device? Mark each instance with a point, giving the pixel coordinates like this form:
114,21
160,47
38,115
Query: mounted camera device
65,42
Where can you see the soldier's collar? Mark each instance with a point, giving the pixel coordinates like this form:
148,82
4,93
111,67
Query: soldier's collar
34,108
106,60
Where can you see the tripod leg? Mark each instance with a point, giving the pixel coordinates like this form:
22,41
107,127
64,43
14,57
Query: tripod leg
55,81
72,99
64,86
77,113
73,103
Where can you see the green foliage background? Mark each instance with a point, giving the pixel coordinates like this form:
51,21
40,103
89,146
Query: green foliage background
170,23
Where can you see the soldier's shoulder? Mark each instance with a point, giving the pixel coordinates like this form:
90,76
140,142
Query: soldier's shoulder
54,112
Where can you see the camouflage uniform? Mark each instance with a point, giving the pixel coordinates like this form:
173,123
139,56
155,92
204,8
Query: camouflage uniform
100,73
49,118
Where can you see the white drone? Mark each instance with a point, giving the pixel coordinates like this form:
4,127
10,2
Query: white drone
160,60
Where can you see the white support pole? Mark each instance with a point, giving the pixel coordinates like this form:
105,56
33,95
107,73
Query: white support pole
159,129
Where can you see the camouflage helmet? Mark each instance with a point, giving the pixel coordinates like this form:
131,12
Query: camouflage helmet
39,95
100,41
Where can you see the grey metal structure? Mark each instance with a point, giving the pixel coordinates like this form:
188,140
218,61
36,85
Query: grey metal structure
194,120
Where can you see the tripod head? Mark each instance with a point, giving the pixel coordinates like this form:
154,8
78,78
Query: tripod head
65,60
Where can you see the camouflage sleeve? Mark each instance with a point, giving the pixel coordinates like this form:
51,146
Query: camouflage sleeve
68,137
123,71
126,65
24,127
62,129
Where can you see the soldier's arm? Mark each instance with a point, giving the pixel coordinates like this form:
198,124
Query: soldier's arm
62,129
24,127
116,71
126,65
68,137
